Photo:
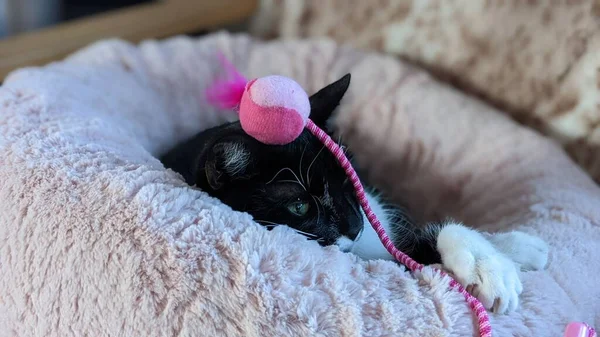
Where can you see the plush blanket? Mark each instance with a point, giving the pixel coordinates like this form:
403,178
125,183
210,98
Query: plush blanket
537,60
98,239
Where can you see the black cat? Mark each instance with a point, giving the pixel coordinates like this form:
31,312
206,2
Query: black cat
301,185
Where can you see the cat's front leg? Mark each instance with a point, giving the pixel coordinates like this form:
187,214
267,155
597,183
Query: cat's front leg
486,264
478,265
466,254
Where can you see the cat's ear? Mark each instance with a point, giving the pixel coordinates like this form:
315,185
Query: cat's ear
324,102
227,161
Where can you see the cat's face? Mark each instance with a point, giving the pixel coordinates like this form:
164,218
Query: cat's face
300,184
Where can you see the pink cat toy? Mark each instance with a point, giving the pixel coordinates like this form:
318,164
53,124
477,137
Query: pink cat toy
579,329
275,110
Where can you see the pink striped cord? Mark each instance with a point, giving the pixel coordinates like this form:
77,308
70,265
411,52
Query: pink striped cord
591,331
485,329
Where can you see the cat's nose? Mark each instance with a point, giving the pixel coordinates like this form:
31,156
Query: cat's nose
355,227
353,234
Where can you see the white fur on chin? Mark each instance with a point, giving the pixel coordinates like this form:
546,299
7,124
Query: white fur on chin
344,243
368,246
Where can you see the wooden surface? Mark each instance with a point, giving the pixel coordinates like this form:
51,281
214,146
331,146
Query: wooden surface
154,20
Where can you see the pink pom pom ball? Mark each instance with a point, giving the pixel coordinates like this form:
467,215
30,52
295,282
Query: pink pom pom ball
274,109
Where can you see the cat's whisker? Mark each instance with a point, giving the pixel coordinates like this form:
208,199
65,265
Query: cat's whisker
295,176
288,181
318,209
310,235
311,164
289,169
300,164
275,176
271,224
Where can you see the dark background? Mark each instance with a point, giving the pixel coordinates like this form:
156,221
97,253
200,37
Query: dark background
74,9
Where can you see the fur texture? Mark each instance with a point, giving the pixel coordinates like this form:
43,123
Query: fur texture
97,238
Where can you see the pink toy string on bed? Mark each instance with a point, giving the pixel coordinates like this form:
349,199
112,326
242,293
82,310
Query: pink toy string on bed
274,110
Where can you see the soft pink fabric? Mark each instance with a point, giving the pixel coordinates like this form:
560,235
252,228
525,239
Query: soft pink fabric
97,238
274,109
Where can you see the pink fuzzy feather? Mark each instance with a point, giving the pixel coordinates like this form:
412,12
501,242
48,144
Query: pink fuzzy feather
226,92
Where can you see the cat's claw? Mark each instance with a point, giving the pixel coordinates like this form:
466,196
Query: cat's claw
483,270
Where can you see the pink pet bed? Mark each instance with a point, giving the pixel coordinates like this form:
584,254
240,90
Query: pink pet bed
98,239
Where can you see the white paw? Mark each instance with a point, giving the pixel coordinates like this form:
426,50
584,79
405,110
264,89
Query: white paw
484,271
529,252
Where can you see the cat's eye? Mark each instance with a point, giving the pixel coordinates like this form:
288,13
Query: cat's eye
299,208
